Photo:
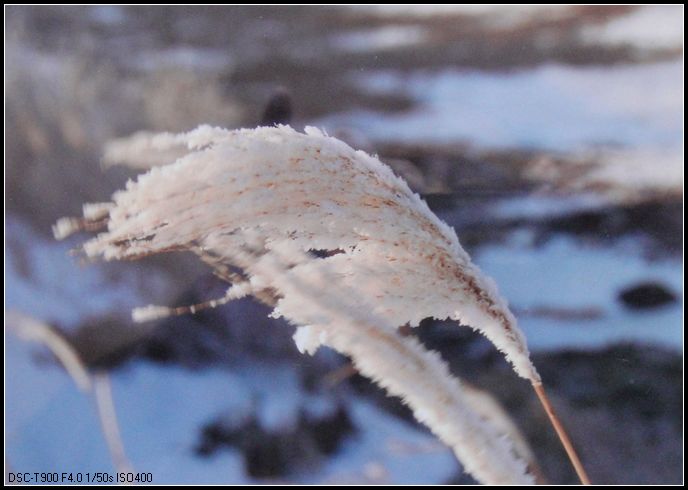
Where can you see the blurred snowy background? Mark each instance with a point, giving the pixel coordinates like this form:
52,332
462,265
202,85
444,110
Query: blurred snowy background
551,138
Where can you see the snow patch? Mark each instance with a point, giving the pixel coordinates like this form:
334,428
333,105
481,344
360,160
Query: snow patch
648,27
646,169
386,450
496,15
382,38
551,107
565,274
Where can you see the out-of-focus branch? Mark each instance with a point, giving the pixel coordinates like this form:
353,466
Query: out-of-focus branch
30,329
33,330
108,422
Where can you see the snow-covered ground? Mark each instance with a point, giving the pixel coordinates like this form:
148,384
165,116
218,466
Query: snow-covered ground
387,451
567,276
626,119
551,107
161,410
497,15
647,27
651,26
392,36
50,425
544,206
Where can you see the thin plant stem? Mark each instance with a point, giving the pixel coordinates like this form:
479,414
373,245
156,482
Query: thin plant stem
30,329
561,432
108,422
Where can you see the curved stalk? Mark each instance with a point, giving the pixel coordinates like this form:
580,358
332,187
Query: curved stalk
561,432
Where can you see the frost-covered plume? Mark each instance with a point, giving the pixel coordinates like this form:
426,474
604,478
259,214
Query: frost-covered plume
319,194
348,251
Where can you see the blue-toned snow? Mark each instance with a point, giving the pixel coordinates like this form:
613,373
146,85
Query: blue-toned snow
568,275
43,280
551,107
51,426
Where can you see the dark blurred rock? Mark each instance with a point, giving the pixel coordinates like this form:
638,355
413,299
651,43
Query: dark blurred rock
661,220
106,342
278,109
646,295
279,453
658,223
